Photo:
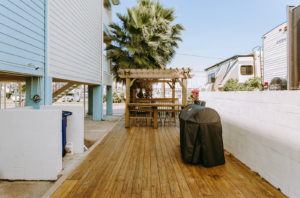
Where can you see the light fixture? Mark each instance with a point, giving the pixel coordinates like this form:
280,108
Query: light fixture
116,2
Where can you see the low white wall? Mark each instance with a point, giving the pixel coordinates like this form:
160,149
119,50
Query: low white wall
75,125
30,144
262,129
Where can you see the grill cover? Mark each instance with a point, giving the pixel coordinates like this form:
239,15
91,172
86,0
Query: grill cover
201,136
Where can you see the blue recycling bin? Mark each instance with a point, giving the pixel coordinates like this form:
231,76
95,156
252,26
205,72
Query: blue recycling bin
65,114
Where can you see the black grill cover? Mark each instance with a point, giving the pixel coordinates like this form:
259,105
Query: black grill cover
201,136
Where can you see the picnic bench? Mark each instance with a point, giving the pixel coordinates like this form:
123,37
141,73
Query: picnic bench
153,111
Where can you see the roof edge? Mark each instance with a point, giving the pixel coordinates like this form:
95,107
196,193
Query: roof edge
233,57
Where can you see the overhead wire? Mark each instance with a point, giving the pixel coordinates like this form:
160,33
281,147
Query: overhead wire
199,56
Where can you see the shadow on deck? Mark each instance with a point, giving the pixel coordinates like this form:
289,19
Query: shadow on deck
146,162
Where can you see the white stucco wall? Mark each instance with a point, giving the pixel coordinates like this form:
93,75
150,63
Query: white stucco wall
30,144
262,129
75,125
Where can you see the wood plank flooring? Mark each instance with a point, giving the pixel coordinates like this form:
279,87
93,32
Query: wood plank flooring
146,162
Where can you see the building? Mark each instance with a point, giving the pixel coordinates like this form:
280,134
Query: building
294,47
43,42
240,67
275,53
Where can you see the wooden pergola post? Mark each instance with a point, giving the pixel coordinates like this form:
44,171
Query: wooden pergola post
184,91
173,91
133,95
173,96
127,118
164,89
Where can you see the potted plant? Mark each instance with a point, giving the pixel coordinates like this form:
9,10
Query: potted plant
195,93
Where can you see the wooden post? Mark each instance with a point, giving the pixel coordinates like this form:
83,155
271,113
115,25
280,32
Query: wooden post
173,92
116,85
164,89
173,97
127,113
184,91
133,95
155,117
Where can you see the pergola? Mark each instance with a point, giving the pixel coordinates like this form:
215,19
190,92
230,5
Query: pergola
168,76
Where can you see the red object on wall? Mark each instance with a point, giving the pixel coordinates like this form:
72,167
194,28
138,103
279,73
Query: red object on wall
195,93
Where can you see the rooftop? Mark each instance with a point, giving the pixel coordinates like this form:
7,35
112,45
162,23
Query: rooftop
233,57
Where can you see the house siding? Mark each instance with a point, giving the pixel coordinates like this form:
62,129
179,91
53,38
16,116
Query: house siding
22,36
75,40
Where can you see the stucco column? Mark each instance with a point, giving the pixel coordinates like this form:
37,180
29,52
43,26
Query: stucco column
48,92
109,102
90,100
98,102
34,88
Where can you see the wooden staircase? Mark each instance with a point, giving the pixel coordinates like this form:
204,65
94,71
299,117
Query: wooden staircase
63,91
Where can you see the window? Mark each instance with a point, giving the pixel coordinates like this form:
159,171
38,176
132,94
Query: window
211,78
246,70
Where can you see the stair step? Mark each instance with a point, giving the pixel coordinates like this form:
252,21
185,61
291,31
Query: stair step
69,87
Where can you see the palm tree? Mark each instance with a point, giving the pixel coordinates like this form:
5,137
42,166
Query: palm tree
146,37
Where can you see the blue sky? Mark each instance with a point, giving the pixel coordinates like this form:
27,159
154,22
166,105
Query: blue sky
220,28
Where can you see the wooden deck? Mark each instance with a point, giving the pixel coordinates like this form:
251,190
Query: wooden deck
146,162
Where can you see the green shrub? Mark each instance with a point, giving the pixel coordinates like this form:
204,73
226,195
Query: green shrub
190,99
122,96
250,85
8,95
231,85
116,98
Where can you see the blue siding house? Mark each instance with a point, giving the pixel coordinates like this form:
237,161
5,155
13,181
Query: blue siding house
39,44
22,36
23,47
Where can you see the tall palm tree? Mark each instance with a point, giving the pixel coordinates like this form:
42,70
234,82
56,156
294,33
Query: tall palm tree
146,37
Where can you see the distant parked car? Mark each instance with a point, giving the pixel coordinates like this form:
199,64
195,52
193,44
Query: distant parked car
70,97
